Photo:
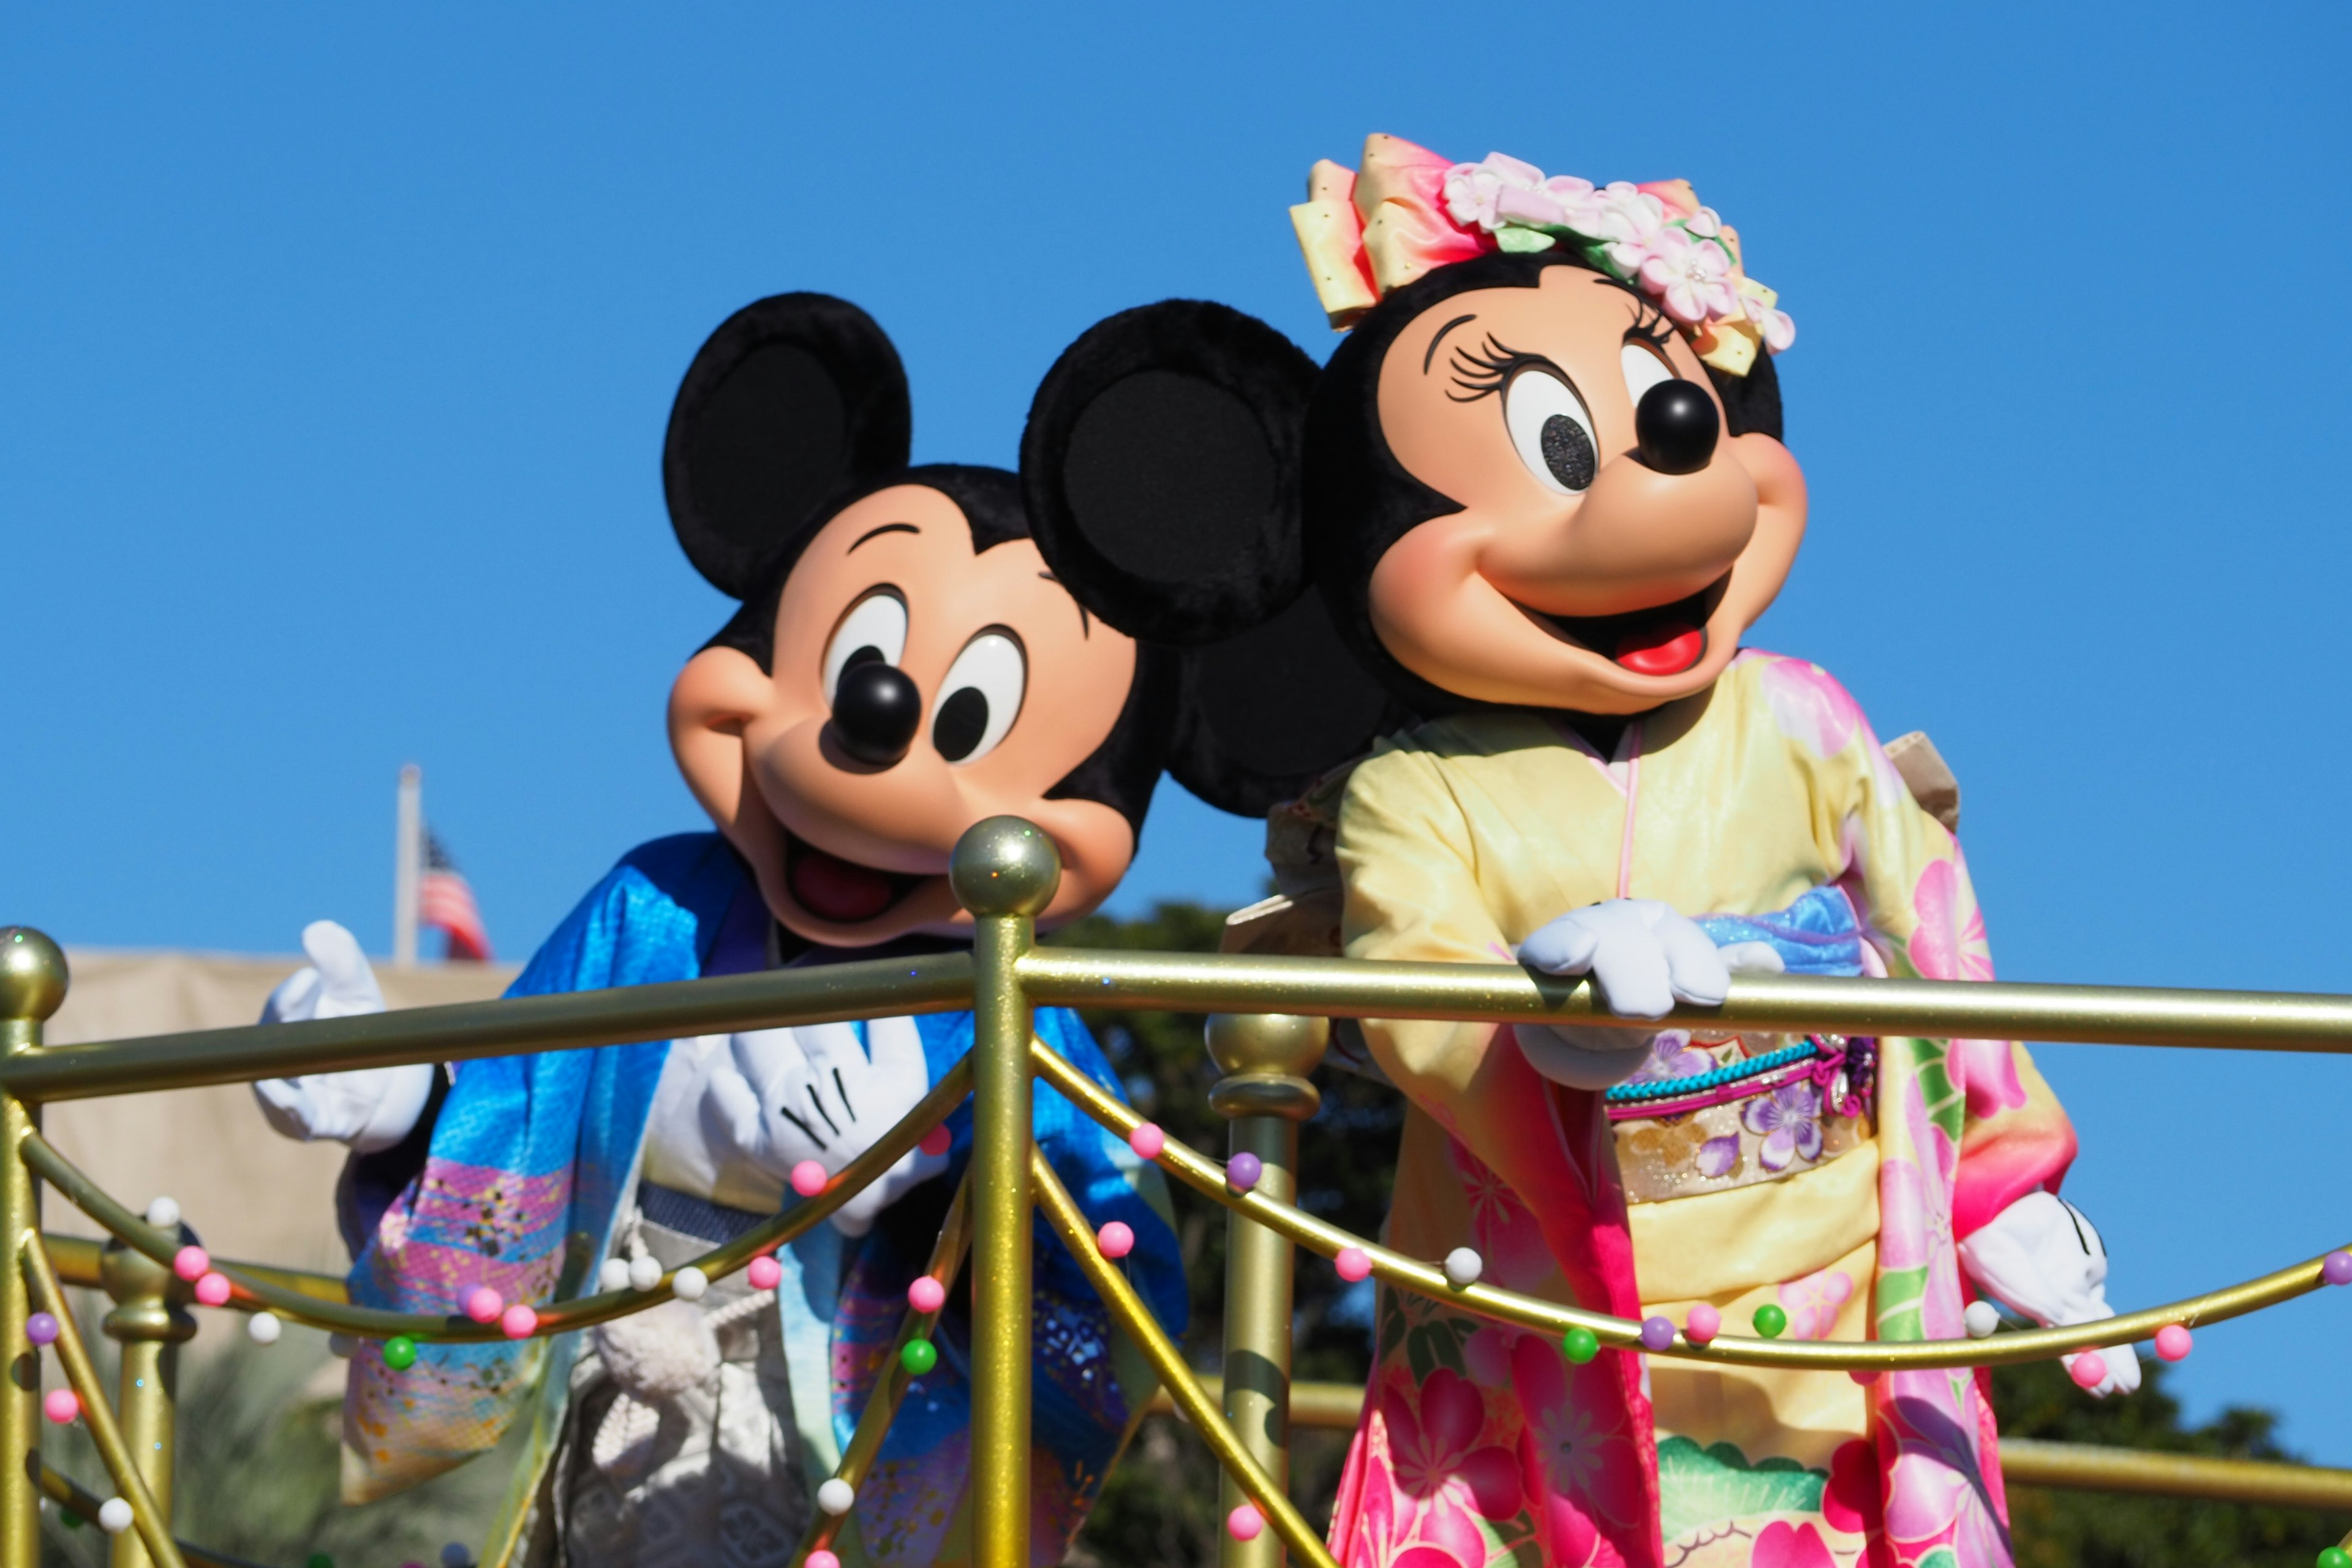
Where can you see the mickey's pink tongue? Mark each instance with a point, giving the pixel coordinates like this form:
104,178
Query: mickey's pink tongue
1668,647
833,889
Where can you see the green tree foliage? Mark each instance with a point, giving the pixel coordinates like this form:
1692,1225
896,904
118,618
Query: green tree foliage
1159,1509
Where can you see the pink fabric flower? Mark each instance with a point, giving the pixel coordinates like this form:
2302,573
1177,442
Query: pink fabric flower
1949,943
1771,324
1574,1463
1814,1301
1691,278
1915,1218
1506,1231
1809,707
1435,1454
1784,1545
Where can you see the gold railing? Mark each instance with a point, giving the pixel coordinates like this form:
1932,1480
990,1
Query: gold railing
1267,1034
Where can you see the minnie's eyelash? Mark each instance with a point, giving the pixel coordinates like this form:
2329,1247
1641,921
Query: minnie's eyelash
1650,325
1483,374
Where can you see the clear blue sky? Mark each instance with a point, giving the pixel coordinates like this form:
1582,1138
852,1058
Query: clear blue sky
336,343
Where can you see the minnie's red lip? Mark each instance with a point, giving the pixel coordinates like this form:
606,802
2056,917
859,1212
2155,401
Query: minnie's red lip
1662,640
1669,647
840,891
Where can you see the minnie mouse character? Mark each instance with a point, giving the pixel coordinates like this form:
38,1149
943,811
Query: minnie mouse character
903,666
1540,492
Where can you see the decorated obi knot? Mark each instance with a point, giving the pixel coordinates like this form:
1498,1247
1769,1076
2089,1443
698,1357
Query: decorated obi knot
1701,1118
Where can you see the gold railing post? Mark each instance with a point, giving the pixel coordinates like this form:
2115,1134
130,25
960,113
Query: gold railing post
1004,872
1266,1058
32,987
150,1324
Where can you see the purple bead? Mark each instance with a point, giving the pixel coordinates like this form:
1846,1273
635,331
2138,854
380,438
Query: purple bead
2337,1268
41,1329
1243,1171
1658,1333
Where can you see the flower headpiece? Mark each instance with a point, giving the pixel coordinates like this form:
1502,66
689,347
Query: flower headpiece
1371,231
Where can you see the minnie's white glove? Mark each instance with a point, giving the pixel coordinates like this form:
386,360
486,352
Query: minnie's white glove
815,1093
369,1108
2043,1256
1641,956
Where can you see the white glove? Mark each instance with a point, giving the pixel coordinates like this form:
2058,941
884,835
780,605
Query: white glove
813,1093
369,1108
2043,1256
1641,956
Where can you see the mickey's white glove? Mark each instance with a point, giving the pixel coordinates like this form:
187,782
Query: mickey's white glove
2043,1256
1641,956
369,1108
815,1093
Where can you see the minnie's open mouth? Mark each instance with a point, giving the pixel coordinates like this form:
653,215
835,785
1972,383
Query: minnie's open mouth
839,890
1666,640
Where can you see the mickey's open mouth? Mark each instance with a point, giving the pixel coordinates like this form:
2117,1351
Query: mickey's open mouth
839,890
1666,640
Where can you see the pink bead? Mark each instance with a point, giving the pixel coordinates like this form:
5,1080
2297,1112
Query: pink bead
764,1273
2173,1342
927,1295
191,1264
61,1405
821,1558
937,1141
1244,1523
2090,1370
1114,1239
484,1304
808,1178
1147,1140
1353,1263
1864,1376
1702,1324
517,1321
213,1290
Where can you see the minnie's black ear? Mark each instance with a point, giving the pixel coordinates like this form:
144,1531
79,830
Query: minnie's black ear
793,398
1162,464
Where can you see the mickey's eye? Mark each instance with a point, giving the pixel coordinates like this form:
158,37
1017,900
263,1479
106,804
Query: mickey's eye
980,697
1552,431
1644,370
875,627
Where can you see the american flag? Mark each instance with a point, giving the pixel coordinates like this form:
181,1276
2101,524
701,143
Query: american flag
445,899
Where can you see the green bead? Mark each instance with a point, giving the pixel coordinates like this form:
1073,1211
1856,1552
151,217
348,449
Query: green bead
69,1519
400,1354
1770,1321
2335,1557
319,1559
918,1356
1580,1345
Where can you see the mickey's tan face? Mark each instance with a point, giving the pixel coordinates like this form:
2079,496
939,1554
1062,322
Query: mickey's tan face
1574,575
1017,686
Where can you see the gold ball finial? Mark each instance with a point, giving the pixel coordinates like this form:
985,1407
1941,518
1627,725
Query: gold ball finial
1005,865
32,975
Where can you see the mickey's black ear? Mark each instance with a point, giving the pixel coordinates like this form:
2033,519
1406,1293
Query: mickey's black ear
793,398
1161,469
1264,714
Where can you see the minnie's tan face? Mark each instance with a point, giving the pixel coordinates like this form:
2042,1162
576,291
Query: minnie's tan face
1575,575
1013,687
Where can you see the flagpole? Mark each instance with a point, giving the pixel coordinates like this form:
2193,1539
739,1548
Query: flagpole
408,857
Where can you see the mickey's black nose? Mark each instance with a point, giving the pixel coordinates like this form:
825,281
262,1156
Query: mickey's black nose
1676,424
876,712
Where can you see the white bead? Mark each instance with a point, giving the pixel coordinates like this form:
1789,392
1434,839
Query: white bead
1982,1319
263,1328
1464,1266
343,1345
688,1283
614,1274
455,1555
836,1497
114,1516
163,1214
644,1273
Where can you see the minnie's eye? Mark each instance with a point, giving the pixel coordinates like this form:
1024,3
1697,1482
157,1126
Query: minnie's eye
1644,370
980,697
875,627
1552,431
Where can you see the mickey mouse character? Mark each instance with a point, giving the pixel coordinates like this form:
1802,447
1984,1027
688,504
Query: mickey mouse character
1540,492
904,664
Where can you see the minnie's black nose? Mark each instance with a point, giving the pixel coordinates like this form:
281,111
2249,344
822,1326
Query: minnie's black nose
1676,424
876,712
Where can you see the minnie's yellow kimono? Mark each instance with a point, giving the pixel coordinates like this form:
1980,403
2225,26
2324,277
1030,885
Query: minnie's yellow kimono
1840,1203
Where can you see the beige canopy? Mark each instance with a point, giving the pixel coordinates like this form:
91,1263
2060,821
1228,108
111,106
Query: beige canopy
251,1195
